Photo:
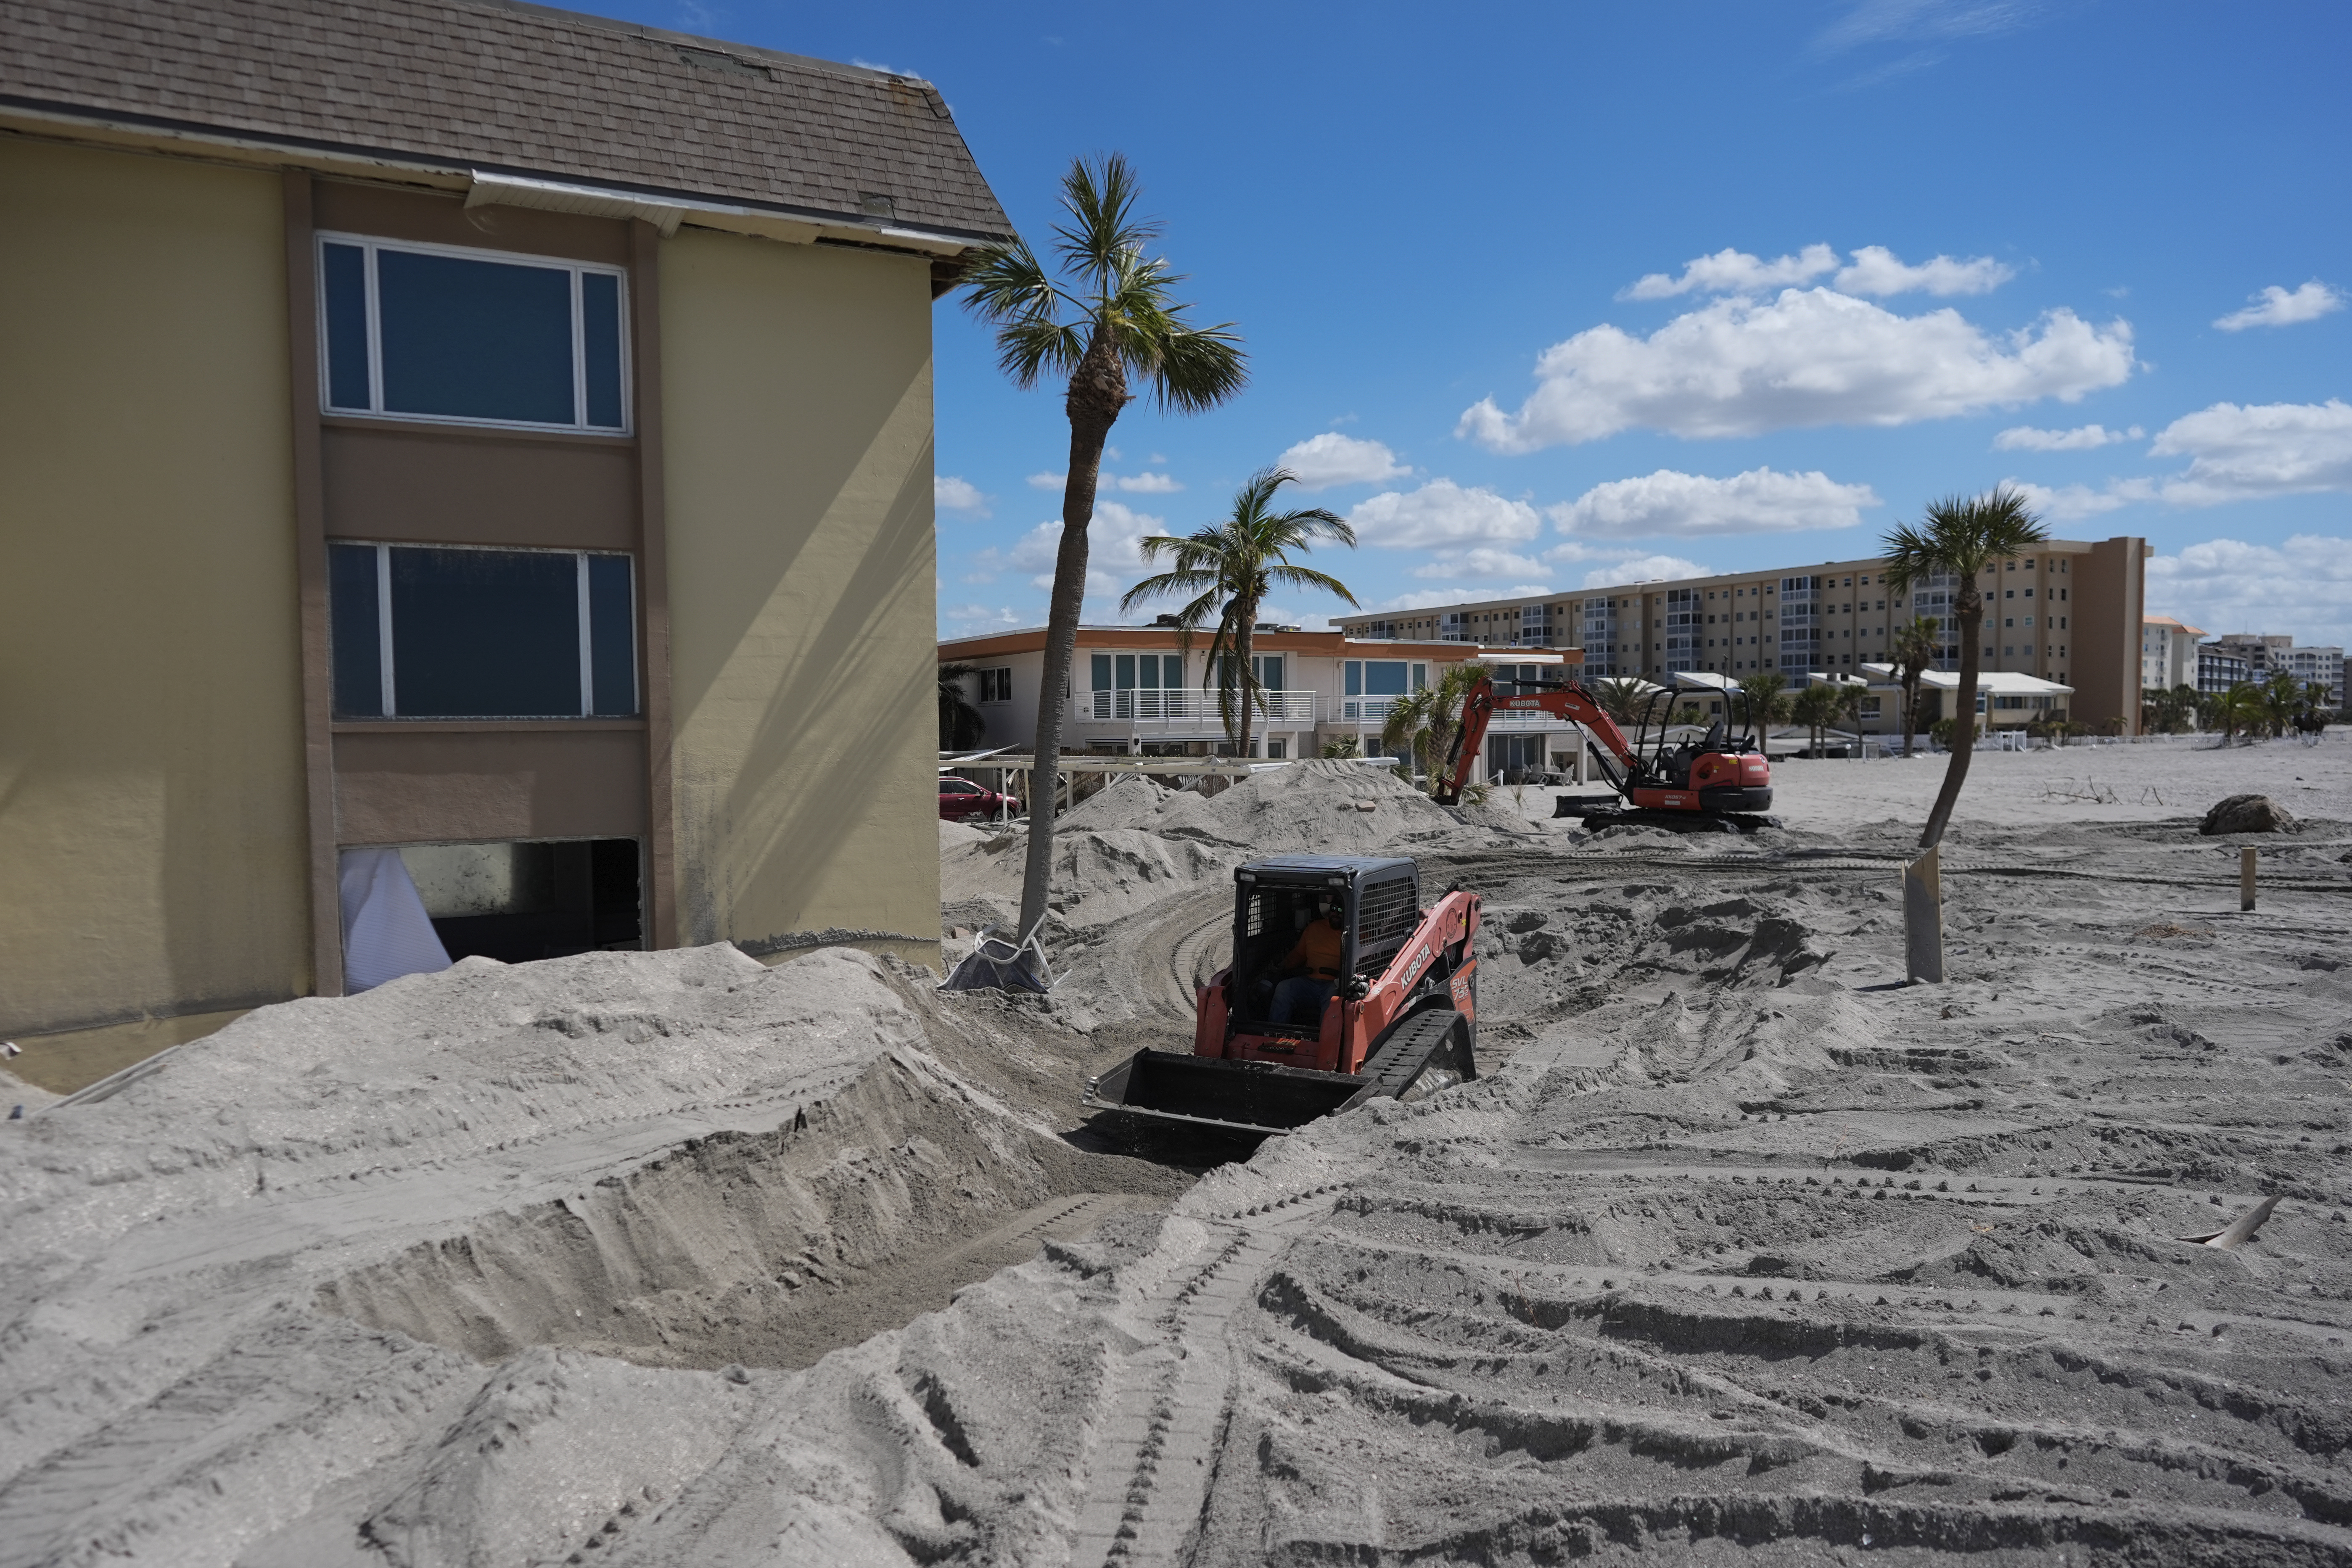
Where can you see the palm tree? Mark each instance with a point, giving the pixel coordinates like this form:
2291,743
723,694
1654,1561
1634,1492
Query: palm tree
1914,656
960,723
1421,725
1814,707
1230,568
1768,698
1113,320
1851,695
2239,708
2282,696
1622,697
1961,536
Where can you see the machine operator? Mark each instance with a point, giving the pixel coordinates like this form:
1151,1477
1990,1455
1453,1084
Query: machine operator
1300,999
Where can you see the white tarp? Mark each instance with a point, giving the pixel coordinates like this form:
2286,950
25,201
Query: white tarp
386,933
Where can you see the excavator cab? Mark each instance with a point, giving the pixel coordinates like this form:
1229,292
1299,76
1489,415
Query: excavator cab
1292,1029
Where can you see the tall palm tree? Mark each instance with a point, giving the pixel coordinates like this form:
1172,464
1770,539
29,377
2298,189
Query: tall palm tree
1113,319
1421,725
1851,695
1230,567
1961,536
1914,656
960,723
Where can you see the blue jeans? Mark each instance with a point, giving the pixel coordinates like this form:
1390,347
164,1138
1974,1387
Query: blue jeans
1300,999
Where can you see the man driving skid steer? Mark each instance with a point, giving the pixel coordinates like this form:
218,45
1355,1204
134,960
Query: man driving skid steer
1300,999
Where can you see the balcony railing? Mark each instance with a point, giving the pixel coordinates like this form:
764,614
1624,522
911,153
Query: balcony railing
1185,705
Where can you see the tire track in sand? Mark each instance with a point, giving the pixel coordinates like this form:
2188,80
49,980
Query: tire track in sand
1165,1410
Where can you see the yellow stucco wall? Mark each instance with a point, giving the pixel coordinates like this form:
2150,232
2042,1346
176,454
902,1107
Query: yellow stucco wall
152,828
797,409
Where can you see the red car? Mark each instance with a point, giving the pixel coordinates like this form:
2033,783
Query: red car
960,798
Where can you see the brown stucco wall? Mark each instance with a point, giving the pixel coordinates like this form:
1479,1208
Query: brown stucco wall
153,841
2110,601
797,405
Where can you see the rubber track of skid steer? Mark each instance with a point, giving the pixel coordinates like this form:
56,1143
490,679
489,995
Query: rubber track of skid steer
1398,1062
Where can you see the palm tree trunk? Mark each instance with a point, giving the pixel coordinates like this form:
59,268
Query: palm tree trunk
1098,393
1964,716
1244,672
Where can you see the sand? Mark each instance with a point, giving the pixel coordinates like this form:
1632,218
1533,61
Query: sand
1740,1250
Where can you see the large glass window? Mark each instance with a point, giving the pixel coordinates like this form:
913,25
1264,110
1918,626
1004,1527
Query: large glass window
423,631
475,336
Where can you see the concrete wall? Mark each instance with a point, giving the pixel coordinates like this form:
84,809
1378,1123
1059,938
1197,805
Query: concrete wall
797,405
2109,606
153,847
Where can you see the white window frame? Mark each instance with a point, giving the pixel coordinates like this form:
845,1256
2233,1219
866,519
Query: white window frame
369,244
392,714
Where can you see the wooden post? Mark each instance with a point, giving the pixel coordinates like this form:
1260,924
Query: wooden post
2246,878
1923,921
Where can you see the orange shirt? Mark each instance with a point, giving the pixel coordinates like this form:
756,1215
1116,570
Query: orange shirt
1319,948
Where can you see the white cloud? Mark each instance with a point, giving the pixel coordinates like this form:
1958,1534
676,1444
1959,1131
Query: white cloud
1114,540
2274,307
1742,367
969,620
2070,502
1645,568
1480,561
2082,438
2301,588
950,493
1892,21
1729,271
2268,449
1876,270
1441,513
1677,505
1134,484
1331,458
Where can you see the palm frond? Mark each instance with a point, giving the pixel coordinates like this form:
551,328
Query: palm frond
1307,577
1100,195
1165,585
1004,283
1027,351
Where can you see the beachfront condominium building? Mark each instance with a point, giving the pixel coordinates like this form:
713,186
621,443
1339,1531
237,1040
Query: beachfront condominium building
2316,666
467,434
2069,612
2168,654
2220,667
1144,690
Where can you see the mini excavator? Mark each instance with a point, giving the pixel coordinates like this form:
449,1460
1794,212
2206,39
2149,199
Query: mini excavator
1342,989
1720,782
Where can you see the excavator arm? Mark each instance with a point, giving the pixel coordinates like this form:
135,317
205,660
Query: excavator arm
1567,700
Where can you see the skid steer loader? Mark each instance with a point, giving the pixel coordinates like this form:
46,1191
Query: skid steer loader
1302,1022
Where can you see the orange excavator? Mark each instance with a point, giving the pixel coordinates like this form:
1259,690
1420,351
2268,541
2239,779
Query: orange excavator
1719,781
1342,988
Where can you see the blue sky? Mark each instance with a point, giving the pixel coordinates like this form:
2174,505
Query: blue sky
1550,295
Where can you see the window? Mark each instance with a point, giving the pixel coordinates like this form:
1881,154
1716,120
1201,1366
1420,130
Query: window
471,337
996,685
441,632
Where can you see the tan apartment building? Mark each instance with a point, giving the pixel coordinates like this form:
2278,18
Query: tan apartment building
470,429
1138,691
2071,612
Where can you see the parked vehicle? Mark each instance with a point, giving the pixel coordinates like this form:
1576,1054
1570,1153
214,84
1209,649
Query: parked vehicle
960,799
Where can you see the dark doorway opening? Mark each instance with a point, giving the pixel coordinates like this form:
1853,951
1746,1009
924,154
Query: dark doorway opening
522,901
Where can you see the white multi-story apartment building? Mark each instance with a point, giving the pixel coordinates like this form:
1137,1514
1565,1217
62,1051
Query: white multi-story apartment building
2168,654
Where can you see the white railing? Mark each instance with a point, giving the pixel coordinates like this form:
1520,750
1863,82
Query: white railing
1185,705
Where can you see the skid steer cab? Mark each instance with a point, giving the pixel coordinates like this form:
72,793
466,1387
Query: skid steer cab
1342,988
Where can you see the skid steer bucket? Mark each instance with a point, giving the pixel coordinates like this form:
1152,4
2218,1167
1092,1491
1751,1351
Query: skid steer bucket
1253,1098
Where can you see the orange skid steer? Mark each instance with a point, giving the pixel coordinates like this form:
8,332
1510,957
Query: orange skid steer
1342,988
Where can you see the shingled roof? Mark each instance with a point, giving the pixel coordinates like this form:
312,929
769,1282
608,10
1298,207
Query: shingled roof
511,89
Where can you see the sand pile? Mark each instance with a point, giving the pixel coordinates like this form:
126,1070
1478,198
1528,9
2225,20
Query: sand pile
336,1272
1137,844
